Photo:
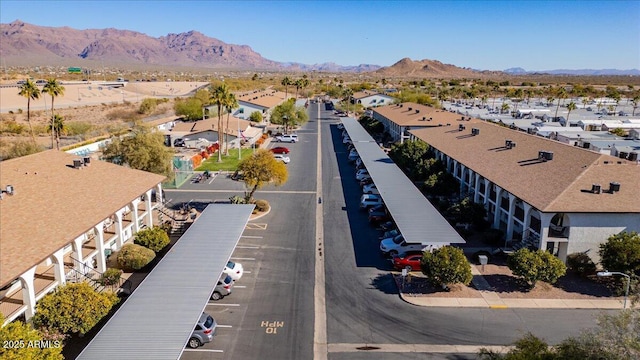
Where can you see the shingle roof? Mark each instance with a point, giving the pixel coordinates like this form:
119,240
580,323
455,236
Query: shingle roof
212,124
265,98
412,114
55,203
559,185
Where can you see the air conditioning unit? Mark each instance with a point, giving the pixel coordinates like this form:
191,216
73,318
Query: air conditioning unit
623,154
633,156
417,111
475,131
509,144
10,190
86,160
614,187
545,155
586,145
77,163
596,188
461,127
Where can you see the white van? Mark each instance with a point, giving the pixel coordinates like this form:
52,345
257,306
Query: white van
396,245
369,200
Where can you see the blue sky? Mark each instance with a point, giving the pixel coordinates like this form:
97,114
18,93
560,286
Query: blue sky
487,35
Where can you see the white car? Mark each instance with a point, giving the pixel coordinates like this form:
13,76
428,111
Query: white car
368,200
395,245
370,189
280,157
353,155
234,270
362,174
291,138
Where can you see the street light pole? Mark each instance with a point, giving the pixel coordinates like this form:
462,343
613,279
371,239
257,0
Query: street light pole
611,273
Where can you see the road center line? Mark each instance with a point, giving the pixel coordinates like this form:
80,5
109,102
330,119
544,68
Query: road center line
319,303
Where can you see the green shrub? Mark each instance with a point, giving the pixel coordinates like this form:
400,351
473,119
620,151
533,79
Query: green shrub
110,277
134,257
19,331
78,128
19,148
262,205
147,106
446,265
11,127
155,238
237,200
581,263
532,266
73,308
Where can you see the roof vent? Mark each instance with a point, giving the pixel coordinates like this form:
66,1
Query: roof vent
509,144
461,127
614,187
430,118
86,160
424,118
77,163
531,130
410,109
596,188
400,105
417,111
475,131
633,156
545,155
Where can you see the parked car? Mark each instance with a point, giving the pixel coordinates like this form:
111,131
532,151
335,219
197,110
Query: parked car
280,150
204,331
234,270
377,217
370,189
409,260
389,234
361,174
290,138
280,157
396,245
340,126
225,284
353,155
368,200
178,142
365,181
379,207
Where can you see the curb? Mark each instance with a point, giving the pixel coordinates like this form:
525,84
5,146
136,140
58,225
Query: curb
251,218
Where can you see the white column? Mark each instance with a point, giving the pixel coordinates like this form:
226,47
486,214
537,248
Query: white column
545,221
496,215
512,206
100,258
134,211
119,230
159,197
28,292
527,219
58,266
147,205
77,254
476,186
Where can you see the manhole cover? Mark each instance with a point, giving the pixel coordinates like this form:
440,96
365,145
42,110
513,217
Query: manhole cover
368,348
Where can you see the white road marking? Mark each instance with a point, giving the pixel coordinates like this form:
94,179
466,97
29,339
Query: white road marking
415,348
205,350
247,259
239,287
247,272
320,351
224,326
247,247
251,237
218,304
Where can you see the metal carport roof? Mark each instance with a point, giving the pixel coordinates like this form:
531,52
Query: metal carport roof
157,319
417,219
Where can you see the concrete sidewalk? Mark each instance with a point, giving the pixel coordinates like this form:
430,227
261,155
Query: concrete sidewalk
491,299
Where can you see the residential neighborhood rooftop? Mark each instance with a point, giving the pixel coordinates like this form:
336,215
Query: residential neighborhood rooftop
264,98
53,203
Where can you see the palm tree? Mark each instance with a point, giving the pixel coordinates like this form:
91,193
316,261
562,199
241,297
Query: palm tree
570,106
56,128
31,92
219,98
286,82
561,93
54,88
230,103
504,108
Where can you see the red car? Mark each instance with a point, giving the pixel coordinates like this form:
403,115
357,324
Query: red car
280,150
410,261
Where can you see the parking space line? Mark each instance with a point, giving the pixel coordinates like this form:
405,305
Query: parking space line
205,350
248,259
247,247
224,326
239,287
251,237
247,272
219,304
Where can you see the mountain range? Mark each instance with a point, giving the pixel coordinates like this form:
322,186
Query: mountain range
24,44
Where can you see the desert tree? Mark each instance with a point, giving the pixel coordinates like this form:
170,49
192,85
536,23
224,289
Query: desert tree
446,266
288,114
262,168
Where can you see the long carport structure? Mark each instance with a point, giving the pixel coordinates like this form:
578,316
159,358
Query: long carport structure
157,320
417,219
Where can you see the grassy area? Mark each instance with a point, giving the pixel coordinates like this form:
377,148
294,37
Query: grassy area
229,163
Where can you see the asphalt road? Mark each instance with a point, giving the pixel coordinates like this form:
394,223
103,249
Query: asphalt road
270,314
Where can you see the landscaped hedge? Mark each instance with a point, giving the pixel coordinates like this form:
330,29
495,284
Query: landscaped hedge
134,257
262,205
155,238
